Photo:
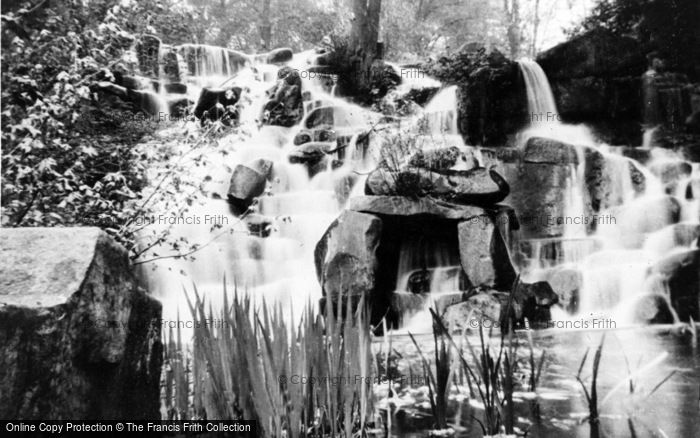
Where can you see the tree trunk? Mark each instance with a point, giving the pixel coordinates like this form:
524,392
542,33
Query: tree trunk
511,9
362,47
266,26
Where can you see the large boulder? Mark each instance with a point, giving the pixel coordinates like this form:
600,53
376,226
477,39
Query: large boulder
246,184
596,53
81,341
404,206
492,100
484,254
346,259
279,56
603,177
147,51
596,79
539,197
477,186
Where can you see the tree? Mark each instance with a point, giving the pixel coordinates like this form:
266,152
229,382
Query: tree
511,11
362,45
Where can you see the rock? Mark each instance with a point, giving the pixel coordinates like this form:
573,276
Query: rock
477,186
484,254
566,282
218,104
285,107
311,153
263,166
258,225
531,302
492,101
602,176
246,184
346,260
680,273
279,56
403,206
539,194
598,52
482,309
303,137
147,50
549,151
652,309
171,65
444,159
81,340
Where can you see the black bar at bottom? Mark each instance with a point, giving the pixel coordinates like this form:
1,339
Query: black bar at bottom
195,428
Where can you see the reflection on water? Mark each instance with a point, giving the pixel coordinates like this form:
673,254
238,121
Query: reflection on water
650,354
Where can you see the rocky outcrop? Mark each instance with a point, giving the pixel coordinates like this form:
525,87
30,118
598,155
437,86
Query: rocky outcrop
346,258
492,102
595,78
218,104
285,107
81,340
476,187
596,53
147,50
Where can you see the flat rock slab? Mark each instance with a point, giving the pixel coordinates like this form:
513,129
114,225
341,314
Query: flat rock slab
43,267
403,206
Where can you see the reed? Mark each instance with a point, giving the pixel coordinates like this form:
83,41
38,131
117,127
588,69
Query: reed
310,379
592,394
440,381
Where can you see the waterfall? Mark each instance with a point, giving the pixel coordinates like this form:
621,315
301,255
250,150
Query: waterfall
540,99
440,114
294,212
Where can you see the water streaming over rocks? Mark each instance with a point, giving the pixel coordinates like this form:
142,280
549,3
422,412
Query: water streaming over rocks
595,235
604,234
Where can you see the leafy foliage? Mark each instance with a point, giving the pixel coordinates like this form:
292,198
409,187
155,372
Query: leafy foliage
68,156
666,26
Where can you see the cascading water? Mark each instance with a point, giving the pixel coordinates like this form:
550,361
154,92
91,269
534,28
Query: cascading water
614,270
540,99
295,211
